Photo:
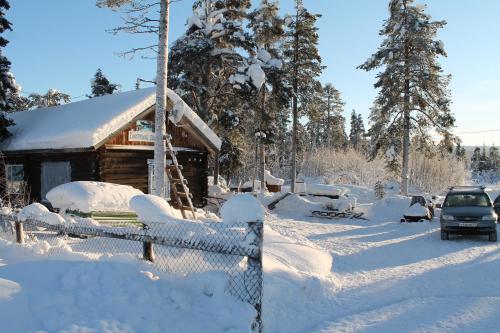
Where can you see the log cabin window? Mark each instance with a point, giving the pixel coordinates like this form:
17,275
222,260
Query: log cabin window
54,174
14,176
151,180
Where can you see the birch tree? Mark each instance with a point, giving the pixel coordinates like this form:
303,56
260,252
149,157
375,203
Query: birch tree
146,24
414,97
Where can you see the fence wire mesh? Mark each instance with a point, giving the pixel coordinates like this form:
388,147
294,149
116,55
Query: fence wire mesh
181,249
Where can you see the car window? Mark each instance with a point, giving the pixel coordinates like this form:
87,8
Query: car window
497,200
460,199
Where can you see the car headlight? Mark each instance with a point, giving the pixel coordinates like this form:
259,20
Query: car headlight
448,217
491,217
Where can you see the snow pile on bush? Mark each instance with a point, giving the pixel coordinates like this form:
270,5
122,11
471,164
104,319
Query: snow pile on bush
85,196
271,180
323,189
39,212
296,204
416,210
242,208
151,208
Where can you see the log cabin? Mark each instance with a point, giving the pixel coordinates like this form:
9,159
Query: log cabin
107,139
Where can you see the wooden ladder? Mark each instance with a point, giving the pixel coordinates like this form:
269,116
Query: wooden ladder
178,194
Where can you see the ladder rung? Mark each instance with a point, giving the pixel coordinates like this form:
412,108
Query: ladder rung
186,207
185,195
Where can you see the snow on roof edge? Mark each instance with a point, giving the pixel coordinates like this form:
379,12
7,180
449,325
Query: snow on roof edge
84,124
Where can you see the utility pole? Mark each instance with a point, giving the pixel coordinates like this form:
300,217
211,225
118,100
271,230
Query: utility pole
161,100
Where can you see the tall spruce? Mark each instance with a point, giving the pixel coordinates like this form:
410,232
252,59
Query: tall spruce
303,64
334,132
268,33
204,60
8,84
414,96
101,86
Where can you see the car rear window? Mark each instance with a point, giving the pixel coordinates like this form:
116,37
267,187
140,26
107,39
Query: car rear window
467,199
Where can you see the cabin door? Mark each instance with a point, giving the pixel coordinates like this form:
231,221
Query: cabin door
54,174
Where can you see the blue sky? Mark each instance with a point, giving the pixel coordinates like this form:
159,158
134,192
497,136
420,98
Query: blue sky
60,44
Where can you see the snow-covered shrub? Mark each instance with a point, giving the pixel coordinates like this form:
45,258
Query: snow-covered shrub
437,173
344,167
379,190
151,208
242,208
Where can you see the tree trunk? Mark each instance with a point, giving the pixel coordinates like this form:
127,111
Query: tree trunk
406,140
216,169
295,110
262,156
161,100
329,123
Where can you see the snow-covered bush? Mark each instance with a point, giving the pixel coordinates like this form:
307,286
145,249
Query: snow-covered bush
242,208
435,174
379,190
150,208
344,167
430,174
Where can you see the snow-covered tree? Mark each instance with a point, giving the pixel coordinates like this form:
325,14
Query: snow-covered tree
414,96
268,32
357,133
52,97
334,133
302,63
205,62
7,82
101,86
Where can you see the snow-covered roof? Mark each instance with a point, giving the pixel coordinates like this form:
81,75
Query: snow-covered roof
88,123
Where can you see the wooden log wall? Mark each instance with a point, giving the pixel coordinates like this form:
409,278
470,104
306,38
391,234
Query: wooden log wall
84,166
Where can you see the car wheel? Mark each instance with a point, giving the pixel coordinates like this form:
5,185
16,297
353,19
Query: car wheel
445,235
493,237
402,220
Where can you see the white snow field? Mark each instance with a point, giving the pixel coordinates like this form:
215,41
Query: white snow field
320,275
386,276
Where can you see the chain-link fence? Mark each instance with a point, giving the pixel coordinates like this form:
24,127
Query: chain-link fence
181,249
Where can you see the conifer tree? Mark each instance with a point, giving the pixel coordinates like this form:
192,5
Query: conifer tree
101,86
334,133
7,82
204,60
414,96
303,64
52,97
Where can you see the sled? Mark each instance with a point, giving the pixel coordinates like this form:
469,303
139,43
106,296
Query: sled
331,214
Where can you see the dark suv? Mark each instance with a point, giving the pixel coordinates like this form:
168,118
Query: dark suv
468,210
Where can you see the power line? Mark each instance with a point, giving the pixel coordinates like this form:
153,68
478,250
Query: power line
477,132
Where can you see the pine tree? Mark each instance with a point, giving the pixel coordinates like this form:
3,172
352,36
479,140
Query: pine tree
101,86
414,96
53,97
334,121
303,63
7,82
460,152
206,58
355,130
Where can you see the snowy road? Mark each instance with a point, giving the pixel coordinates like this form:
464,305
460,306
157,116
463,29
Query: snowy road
392,277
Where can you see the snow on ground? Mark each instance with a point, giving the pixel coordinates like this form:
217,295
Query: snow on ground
346,275
386,276
67,292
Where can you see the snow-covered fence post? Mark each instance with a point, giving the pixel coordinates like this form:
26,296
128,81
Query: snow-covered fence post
19,232
253,274
147,248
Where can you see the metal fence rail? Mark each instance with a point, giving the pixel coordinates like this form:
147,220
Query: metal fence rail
184,248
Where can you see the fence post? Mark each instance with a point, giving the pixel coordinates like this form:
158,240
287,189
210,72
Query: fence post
254,275
147,248
19,232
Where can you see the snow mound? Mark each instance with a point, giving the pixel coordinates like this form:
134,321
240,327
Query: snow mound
32,211
296,204
417,210
86,196
151,208
242,208
216,190
323,189
342,204
271,180
39,212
